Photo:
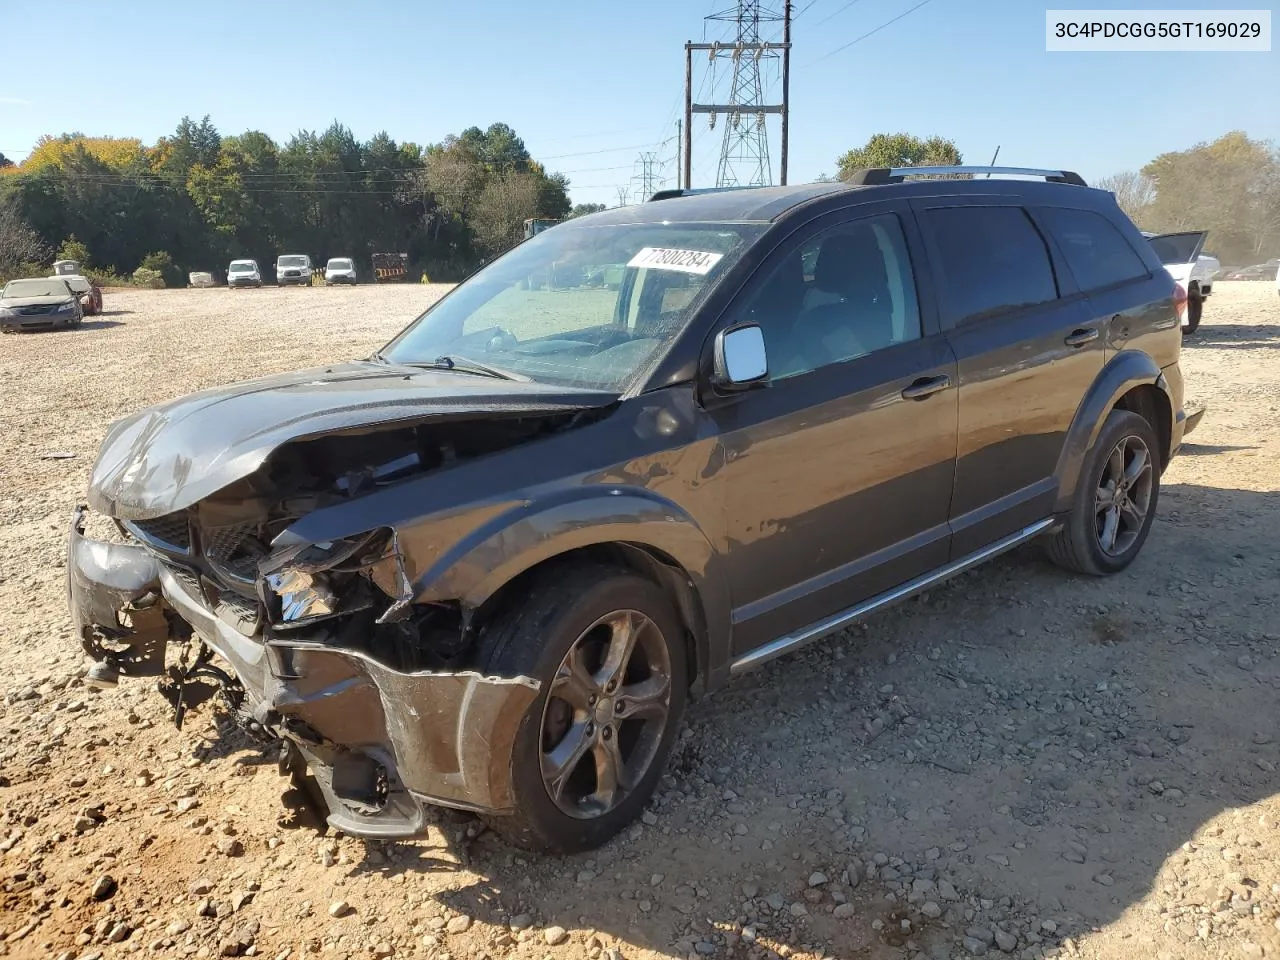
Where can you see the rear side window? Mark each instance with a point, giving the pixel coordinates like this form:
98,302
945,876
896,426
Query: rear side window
992,260
1096,251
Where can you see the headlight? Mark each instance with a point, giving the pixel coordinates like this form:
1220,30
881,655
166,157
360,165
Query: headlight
66,307
307,579
8,312
303,596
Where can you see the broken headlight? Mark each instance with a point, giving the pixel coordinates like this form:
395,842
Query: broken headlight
311,581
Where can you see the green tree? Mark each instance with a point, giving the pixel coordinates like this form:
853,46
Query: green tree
582,209
73,249
899,150
162,264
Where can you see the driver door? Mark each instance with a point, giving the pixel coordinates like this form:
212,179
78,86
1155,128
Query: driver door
838,474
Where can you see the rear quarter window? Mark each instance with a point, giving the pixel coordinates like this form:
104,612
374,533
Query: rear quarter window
991,260
1096,252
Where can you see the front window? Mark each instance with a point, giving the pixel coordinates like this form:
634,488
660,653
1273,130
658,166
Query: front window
581,306
35,288
242,268
292,262
339,264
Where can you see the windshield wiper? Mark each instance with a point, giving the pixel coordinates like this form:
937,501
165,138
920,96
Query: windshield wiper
466,365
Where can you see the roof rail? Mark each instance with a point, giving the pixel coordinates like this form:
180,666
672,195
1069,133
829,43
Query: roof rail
677,192
880,175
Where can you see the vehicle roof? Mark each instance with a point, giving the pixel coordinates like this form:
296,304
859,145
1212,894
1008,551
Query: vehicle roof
244,261
765,204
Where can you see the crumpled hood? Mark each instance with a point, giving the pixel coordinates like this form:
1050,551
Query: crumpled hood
170,456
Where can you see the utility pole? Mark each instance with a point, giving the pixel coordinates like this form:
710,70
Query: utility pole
688,116
744,152
786,91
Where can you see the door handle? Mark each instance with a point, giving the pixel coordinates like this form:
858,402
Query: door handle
925,387
1078,338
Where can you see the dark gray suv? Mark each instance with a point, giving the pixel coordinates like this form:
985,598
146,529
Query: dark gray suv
644,451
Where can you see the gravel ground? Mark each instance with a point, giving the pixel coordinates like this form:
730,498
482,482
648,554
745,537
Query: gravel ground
1019,763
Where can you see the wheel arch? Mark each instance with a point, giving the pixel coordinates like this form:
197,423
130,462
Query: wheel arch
635,529
1131,380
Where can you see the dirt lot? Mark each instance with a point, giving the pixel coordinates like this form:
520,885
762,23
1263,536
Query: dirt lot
1018,763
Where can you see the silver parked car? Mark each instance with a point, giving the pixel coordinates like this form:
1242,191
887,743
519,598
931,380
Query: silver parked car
34,304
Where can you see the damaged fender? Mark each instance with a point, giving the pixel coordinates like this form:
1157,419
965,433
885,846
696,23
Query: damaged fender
113,593
470,567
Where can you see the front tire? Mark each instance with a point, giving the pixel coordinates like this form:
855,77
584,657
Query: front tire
607,647
1115,502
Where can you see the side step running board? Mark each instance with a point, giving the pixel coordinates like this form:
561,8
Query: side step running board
839,621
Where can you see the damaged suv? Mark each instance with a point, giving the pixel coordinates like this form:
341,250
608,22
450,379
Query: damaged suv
485,567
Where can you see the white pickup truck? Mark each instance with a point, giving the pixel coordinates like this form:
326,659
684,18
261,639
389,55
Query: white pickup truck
1181,256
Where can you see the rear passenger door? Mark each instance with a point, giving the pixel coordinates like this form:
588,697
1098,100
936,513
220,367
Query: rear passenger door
1027,351
1109,273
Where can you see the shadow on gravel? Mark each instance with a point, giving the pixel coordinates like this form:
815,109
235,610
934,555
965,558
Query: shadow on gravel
1020,751
1208,449
1042,743
1264,336
103,324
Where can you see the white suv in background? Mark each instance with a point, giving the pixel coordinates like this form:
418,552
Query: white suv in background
244,273
1181,255
340,270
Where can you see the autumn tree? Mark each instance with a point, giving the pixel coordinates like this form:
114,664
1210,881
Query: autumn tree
1230,187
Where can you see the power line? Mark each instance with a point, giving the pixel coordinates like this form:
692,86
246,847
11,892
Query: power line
869,33
837,13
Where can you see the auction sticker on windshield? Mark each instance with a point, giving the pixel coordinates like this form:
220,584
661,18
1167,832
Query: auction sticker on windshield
667,258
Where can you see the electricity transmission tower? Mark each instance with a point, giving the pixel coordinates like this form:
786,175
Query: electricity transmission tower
647,179
744,152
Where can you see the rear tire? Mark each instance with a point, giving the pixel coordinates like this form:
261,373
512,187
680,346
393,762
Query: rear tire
1115,501
1195,308
593,744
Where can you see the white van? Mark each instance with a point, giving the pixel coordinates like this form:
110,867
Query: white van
244,273
340,270
293,268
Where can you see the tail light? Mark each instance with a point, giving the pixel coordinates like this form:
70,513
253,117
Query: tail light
1180,302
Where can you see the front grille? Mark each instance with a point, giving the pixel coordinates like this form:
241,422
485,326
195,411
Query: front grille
232,551
172,530
35,311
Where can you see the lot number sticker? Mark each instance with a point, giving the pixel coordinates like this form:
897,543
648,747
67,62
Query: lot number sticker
685,261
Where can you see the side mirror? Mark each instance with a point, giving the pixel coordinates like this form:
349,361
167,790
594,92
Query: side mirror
740,359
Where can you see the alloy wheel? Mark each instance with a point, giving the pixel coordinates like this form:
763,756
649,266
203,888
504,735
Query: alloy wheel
605,714
1124,496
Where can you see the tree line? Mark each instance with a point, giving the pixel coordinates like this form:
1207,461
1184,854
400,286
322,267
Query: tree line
197,199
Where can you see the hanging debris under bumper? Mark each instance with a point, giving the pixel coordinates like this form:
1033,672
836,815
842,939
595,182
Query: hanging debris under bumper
381,743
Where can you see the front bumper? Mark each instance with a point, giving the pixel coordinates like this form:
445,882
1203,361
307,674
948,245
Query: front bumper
44,321
381,743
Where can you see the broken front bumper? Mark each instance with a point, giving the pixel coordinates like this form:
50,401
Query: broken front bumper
381,743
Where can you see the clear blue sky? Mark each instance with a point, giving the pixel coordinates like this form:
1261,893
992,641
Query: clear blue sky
589,85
